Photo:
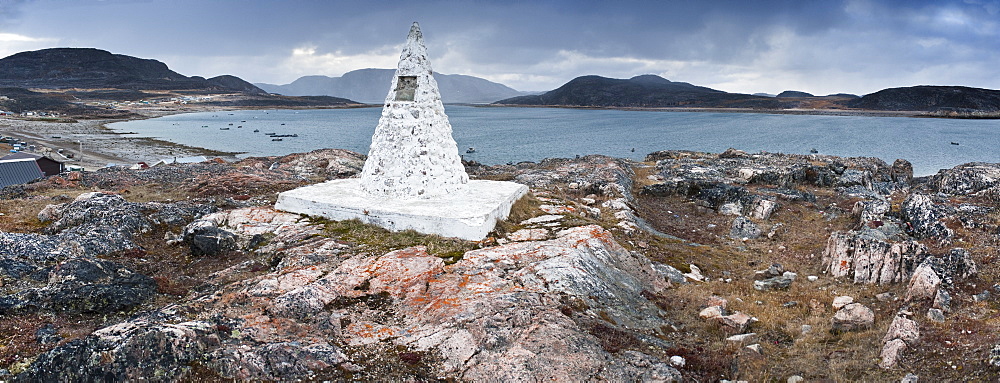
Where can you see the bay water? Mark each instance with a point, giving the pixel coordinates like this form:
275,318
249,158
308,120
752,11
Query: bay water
506,134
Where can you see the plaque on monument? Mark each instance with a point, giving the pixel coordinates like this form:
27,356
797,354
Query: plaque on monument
413,177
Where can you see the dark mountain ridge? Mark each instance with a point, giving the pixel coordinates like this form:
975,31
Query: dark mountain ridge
931,98
654,91
63,68
640,91
371,86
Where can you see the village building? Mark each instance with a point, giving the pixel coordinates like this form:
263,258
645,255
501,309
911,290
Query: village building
49,166
19,171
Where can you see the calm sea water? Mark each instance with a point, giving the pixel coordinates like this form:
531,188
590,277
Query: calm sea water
502,135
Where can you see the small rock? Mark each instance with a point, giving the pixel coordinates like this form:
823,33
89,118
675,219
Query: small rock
795,379
47,335
935,315
903,329
743,227
737,321
677,361
853,317
732,208
716,300
755,348
983,296
806,329
776,269
841,301
994,358
891,353
790,304
942,300
764,209
743,338
695,274
910,378
588,201
884,297
812,278
711,312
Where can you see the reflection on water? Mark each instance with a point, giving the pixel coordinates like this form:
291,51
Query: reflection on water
502,135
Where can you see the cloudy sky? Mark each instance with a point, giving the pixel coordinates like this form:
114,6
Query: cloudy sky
821,47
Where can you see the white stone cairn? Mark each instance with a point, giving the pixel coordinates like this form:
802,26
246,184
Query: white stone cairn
413,177
413,154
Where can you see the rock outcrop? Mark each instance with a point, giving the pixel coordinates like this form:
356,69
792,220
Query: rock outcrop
499,312
866,257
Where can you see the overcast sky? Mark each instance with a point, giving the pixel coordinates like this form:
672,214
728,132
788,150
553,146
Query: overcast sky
821,47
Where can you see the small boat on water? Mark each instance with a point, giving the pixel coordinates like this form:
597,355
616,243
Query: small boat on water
471,150
276,139
282,123
204,126
256,130
223,128
954,143
230,124
270,134
813,151
238,127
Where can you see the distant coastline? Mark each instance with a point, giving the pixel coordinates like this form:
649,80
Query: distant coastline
813,112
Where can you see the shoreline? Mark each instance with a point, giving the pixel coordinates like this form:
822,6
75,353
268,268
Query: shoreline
102,145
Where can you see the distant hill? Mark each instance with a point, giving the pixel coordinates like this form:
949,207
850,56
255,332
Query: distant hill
89,68
843,95
372,85
641,91
932,99
793,93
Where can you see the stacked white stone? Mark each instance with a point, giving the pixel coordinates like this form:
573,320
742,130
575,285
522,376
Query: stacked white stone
413,154
413,177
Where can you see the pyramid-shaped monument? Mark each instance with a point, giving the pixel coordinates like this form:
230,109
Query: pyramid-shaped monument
413,177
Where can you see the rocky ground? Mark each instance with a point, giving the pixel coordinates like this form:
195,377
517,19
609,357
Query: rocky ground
686,267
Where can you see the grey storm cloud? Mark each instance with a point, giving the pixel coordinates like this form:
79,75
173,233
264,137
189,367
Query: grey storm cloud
770,45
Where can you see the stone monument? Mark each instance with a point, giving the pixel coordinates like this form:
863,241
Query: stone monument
413,177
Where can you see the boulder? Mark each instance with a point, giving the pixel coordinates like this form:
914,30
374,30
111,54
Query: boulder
967,179
853,317
925,218
83,286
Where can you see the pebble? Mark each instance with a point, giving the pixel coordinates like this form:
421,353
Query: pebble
812,278
677,361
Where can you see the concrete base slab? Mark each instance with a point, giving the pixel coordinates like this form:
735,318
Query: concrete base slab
469,214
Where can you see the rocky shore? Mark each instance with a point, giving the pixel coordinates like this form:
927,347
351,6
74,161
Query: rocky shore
687,266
